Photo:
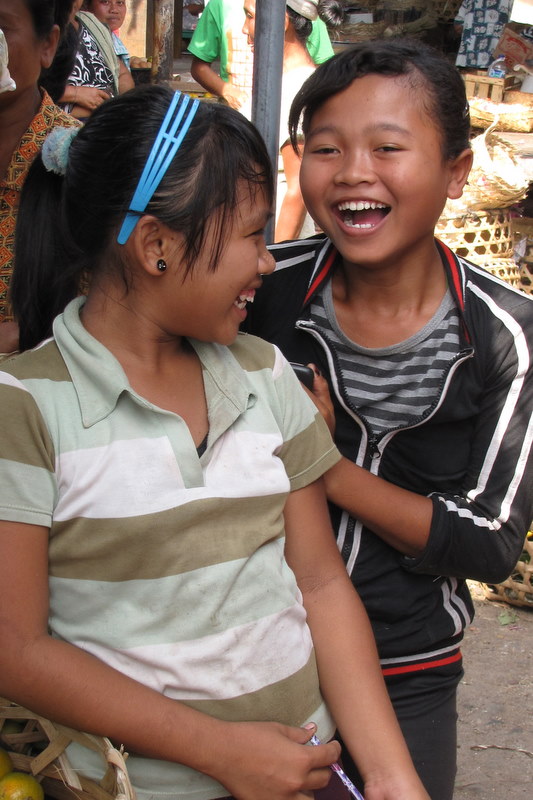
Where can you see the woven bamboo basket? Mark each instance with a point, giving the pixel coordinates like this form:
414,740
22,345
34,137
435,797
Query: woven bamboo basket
37,746
504,268
447,9
391,18
485,238
497,179
505,116
517,590
478,235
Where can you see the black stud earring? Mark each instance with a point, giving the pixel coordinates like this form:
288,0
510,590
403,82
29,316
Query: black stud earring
161,265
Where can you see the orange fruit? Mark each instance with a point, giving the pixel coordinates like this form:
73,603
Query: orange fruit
20,786
6,765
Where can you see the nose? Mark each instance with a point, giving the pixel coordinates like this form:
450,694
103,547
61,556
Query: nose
355,167
267,263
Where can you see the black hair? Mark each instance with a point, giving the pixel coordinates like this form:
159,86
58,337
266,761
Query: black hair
67,226
438,84
54,78
47,13
330,11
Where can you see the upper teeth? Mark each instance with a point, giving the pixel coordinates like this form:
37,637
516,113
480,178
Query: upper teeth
359,205
242,299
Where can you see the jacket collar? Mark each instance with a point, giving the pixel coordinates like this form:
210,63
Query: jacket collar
455,274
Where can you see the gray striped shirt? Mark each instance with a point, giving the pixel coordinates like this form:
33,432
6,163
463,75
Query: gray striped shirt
391,387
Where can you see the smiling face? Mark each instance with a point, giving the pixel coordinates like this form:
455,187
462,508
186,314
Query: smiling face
210,305
110,12
373,175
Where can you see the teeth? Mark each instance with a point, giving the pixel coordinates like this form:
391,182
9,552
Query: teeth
242,299
359,205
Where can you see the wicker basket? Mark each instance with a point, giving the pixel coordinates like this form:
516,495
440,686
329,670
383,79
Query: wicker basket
479,236
518,589
38,747
504,268
391,18
447,9
497,178
505,116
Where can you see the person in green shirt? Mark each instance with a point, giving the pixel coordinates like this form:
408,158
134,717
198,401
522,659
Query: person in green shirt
219,37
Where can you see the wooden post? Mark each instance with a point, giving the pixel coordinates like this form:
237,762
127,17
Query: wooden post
163,54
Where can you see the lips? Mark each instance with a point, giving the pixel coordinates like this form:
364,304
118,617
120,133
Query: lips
362,214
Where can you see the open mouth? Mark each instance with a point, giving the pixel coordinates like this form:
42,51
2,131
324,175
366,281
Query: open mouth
243,298
362,214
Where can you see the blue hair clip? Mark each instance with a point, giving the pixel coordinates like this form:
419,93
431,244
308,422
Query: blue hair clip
169,138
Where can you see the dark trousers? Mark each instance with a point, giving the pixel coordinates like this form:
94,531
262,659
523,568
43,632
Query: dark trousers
425,704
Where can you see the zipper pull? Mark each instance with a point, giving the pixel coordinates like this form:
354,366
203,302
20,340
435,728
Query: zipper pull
373,447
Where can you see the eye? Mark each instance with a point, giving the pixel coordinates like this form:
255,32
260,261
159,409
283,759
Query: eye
389,148
325,150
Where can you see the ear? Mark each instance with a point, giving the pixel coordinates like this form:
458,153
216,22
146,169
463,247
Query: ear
287,22
48,47
152,240
459,170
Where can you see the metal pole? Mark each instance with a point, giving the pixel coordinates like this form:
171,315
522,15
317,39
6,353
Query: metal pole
268,71
163,55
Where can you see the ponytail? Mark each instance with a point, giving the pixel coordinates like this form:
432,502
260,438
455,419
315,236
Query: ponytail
45,277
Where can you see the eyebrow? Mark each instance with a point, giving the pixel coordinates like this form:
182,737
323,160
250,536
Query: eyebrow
385,127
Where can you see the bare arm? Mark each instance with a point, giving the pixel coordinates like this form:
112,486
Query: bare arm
125,78
292,211
9,337
88,97
350,674
255,761
399,517
205,75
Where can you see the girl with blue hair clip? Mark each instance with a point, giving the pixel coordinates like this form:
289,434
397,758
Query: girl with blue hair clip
161,505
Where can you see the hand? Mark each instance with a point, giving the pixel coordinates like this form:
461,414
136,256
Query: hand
9,338
268,761
322,399
397,787
90,97
233,96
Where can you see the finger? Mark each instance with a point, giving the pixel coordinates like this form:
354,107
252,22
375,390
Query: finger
323,754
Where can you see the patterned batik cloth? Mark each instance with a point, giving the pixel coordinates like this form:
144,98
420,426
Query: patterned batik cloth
48,116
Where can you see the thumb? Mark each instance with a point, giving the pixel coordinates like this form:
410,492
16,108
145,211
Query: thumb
301,735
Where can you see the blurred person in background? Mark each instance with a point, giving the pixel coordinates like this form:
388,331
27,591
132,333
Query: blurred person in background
32,30
112,13
97,74
219,37
292,219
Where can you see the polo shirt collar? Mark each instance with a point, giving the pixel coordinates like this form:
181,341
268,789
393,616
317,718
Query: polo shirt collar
99,379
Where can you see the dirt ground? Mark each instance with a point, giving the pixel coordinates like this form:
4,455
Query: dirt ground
495,748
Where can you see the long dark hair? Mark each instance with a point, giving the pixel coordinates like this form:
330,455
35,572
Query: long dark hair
438,84
45,14
67,226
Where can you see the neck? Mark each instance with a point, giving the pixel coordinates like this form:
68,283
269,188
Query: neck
127,331
14,121
407,282
295,53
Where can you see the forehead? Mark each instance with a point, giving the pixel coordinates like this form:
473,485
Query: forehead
376,99
11,9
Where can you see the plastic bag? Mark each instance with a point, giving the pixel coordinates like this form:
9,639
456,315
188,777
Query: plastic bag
7,84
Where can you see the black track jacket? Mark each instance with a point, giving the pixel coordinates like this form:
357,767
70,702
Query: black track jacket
471,453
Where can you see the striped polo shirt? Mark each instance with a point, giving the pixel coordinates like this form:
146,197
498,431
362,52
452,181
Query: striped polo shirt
167,565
